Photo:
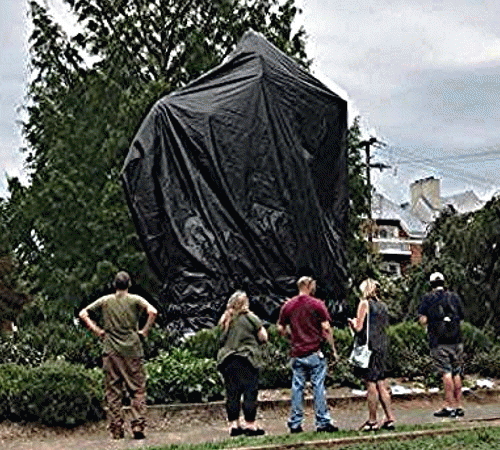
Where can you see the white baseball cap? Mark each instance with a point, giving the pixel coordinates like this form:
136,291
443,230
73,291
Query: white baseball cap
436,276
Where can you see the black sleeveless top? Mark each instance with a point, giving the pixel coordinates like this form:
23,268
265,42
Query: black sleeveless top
379,320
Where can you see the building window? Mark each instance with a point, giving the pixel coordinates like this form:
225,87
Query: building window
391,268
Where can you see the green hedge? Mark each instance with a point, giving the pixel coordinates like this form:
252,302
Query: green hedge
56,393
12,379
61,393
275,371
50,341
409,355
204,343
179,376
340,372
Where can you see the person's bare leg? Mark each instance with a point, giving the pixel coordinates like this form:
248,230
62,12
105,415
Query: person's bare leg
234,424
371,398
385,400
449,390
457,391
251,425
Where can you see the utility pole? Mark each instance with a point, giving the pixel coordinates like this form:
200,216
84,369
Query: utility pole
367,145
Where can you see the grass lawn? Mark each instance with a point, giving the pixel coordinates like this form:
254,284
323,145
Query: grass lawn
485,439
480,439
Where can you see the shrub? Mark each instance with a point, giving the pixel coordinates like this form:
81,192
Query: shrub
12,379
343,341
47,341
275,370
485,364
15,351
74,344
340,373
159,340
204,343
50,341
178,376
409,354
55,393
482,356
475,339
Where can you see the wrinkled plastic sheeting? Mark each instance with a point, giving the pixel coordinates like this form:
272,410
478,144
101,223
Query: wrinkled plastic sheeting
239,181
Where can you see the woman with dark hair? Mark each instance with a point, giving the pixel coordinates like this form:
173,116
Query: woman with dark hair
372,313
242,333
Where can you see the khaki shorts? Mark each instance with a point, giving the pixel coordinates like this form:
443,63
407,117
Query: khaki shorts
448,358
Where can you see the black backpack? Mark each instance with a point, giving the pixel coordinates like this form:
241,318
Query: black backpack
447,319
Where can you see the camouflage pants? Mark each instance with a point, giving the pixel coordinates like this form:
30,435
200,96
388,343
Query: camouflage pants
125,373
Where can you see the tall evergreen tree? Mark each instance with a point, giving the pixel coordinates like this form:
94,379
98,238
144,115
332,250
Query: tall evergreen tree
87,96
357,249
11,299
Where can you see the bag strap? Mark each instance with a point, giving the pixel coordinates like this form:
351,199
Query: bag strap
368,323
451,307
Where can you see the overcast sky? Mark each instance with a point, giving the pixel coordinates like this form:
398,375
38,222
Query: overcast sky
12,75
424,76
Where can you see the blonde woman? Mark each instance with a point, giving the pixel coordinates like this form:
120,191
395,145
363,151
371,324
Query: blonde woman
242,333
374,376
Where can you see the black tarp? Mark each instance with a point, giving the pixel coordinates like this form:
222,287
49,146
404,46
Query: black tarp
239,180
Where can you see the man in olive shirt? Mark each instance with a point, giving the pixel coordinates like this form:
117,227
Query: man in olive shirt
122,352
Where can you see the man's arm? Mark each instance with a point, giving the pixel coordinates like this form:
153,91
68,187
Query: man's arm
152,313
422,312
91,325
328,336
283,330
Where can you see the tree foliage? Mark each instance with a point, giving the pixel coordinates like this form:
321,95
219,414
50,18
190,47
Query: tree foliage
357,249
466,249
11,298
86,99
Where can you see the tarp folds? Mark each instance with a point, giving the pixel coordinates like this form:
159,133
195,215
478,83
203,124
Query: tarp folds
239,181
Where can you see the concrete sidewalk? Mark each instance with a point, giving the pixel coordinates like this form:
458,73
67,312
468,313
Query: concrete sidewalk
190,424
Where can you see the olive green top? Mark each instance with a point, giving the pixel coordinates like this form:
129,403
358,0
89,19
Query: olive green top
241,339
121,323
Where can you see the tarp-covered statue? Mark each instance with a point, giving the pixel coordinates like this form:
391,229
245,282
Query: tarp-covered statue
239,181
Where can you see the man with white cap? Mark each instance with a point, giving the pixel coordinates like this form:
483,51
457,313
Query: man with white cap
441,311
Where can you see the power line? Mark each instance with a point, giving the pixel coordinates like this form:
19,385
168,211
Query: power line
434,163
457,157
445,170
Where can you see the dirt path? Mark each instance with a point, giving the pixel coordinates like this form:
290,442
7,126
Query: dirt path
209,425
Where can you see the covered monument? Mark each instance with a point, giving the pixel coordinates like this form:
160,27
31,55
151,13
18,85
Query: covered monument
239,181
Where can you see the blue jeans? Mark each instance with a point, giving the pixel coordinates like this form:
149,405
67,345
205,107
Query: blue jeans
314,367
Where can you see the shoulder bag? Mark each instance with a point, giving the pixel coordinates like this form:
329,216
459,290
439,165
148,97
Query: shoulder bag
360,355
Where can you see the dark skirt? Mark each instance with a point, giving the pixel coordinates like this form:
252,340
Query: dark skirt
376,368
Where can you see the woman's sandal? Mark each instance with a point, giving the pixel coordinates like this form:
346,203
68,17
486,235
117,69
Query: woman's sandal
369,426
388,425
